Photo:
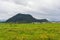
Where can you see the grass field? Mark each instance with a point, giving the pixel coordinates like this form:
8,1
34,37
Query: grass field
47,31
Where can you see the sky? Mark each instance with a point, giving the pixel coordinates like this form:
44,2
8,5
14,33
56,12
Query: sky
40,9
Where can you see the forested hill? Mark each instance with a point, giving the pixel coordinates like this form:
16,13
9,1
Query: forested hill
25,18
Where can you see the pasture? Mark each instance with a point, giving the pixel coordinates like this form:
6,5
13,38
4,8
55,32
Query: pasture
46,31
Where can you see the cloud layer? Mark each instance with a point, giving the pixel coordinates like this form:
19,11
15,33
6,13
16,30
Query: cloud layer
48,9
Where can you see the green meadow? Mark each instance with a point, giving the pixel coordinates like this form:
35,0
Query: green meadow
39,31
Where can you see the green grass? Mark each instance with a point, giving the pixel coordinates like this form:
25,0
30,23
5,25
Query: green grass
47,31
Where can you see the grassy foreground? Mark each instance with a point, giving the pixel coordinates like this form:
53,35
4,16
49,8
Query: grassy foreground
48,31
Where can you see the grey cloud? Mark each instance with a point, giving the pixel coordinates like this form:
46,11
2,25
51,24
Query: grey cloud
49,9
10,9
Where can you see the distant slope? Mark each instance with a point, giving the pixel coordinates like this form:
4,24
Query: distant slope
24,18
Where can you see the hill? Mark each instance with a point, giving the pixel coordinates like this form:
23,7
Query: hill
25,18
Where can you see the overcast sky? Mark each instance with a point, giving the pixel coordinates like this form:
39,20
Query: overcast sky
40,9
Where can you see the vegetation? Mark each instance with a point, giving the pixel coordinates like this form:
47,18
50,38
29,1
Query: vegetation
43,31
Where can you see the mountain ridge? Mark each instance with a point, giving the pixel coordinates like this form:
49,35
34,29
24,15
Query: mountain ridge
25,18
